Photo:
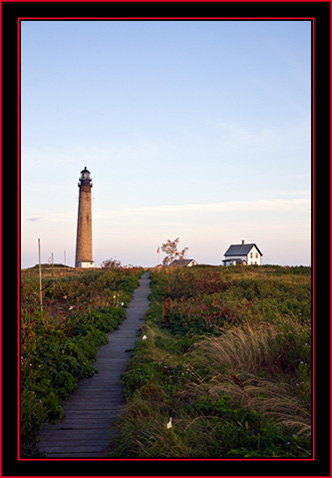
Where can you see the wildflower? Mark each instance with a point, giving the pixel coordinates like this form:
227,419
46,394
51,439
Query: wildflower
144,337
169,424
122,304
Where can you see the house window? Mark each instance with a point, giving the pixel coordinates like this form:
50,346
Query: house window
256,255
251,254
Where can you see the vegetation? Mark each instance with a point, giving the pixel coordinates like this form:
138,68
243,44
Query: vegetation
171,250
222,367
59,344
110,263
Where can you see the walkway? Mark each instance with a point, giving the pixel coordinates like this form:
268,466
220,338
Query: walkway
84,432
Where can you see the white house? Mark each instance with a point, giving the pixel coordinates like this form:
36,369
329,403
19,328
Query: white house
247,254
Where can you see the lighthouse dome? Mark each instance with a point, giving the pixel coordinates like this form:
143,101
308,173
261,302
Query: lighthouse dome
85,173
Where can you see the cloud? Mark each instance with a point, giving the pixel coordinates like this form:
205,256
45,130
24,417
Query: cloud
33,219
283,143
63,217
260,205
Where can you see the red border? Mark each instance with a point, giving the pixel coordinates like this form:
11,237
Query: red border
18,232
313,232
164,18
173,1
1,226
312,19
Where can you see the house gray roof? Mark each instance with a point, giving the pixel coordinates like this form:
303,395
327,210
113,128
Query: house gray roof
240,250
181,262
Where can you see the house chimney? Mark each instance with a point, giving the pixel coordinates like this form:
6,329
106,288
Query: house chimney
242,242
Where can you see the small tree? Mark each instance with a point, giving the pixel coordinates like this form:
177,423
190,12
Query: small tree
171,249
110,263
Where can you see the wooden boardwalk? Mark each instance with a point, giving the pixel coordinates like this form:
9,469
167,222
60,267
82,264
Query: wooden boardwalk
85,430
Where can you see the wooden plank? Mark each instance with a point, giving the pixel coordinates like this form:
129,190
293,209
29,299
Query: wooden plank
66,455
78,424
90,404
97,433
86,413
91,401
73,449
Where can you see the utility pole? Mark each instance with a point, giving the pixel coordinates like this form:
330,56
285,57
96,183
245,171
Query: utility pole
40,279
53,274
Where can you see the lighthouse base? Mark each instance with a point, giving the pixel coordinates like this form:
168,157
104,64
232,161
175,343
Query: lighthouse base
86,264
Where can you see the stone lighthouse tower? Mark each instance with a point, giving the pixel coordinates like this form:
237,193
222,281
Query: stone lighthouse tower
84,222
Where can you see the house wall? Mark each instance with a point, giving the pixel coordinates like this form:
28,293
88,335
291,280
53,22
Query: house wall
254,257
192,263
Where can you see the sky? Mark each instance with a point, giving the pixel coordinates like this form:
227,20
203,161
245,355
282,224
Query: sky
192,129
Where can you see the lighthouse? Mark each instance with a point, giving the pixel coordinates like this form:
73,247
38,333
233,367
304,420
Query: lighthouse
84,222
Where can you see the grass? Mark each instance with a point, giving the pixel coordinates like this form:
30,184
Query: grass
224,358
248,365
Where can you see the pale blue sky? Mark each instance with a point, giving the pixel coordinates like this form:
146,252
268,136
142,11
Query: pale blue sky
197,129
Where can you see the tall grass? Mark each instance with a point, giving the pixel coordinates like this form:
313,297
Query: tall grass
246,348
249,365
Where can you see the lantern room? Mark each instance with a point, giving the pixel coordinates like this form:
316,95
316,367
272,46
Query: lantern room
85,178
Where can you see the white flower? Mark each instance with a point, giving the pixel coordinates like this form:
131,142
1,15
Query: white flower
169,424
144,337
122,303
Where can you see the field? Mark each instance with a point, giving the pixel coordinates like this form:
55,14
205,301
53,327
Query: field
222,368
60,343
